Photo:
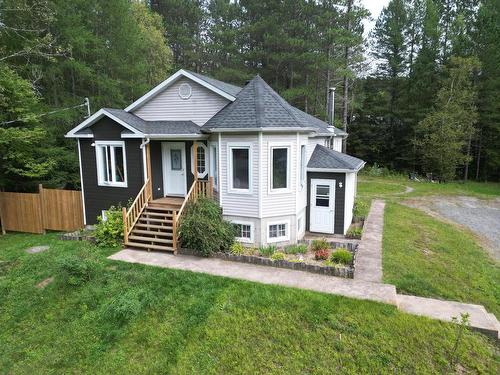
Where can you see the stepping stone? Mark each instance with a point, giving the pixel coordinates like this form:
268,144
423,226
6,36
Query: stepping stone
36,249
42,284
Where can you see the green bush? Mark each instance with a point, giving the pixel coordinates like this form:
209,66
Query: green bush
342,256
109,232
278,255
204,230
267,251
126,306
321,244
77,269
237,249
360,209
354,232
296,249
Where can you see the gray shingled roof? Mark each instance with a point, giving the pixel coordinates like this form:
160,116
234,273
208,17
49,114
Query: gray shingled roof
259,106
226,87
175,127
325,158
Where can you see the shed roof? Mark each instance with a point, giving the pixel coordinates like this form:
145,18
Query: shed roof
328,159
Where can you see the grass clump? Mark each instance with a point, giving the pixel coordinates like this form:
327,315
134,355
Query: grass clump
267,251
319,244
78,268
237,249
354,233
296,249
342,256
204,230
278,255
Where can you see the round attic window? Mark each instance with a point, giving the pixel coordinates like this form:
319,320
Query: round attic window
185,91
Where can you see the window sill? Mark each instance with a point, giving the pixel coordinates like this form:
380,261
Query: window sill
239,192
104,184
244,240
280,191
278,239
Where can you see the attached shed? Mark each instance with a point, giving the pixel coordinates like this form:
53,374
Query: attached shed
331,183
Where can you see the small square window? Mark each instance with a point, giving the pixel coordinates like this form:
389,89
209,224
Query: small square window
243,232
278,231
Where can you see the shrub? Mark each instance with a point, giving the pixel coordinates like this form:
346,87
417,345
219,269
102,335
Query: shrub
320,245
296,249
204,230
77,269
278,255
322,254
342,256
126,306
237,249
354,232
267,251
109,232
360,208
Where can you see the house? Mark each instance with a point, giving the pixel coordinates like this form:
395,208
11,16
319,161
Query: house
275,170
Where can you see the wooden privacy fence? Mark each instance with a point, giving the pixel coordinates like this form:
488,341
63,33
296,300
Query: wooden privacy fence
51,209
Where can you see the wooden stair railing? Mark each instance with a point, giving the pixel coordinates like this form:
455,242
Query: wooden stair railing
131,216
199,188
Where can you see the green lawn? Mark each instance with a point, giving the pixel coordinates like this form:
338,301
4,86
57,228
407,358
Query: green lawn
129,318
427,257
386,187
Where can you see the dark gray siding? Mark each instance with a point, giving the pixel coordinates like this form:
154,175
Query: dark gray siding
98,198
339,197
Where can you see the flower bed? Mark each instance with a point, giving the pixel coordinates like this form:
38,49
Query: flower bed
334,258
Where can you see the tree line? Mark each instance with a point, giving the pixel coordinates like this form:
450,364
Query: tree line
420,94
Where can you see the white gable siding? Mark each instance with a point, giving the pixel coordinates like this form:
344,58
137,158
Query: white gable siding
337,144
239,204
167,105
279,203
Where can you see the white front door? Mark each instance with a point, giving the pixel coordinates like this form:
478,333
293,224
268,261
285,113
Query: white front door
322,206
174,168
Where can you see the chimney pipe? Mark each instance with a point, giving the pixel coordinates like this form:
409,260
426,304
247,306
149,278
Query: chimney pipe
331,91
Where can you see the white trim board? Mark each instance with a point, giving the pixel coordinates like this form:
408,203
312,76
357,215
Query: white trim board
168,82
81,184
96,117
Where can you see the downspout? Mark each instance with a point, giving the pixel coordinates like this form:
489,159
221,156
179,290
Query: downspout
144,142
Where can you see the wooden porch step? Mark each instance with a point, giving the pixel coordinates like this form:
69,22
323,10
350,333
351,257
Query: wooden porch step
150,239
152,232
153,226
159,214
153,220
149,247
156,207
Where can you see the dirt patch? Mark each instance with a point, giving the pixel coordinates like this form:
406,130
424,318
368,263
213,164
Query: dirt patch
42,284
481,216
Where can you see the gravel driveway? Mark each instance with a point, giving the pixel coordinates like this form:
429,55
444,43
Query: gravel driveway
479,215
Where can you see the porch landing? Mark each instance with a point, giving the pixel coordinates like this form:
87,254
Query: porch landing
168,201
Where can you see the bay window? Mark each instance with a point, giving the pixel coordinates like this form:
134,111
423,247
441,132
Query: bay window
279,168
240,168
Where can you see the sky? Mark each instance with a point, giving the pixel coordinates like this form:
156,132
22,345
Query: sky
375,7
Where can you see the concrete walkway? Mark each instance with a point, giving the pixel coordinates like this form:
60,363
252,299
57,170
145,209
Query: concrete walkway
369,254
263,274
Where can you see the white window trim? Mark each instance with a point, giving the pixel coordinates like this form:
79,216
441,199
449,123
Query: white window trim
204,146
214,172
302,182
100,172
238,145
243,239
279,239
288,146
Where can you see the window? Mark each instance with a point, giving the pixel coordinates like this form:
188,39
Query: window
243,232
214,165
277,232
279,168
239,168
201,160
111,163
302,165
322,196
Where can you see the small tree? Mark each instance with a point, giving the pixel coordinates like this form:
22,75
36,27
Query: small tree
444,133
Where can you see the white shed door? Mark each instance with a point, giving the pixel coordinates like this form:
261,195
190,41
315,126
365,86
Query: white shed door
321,213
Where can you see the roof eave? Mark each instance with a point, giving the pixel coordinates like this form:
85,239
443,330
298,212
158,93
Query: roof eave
337,170
260,129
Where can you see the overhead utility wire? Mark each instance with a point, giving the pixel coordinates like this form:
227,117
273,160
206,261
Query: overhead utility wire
84,104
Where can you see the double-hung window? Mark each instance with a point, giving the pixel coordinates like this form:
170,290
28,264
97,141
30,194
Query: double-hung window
111,163
279,168
240,168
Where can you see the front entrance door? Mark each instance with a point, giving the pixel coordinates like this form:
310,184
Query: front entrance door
321,213
174,168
